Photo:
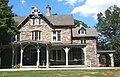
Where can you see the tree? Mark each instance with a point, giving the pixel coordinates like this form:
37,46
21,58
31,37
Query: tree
109,31
8,26
77,22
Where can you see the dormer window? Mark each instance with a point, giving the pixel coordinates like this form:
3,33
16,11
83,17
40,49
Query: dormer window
82,31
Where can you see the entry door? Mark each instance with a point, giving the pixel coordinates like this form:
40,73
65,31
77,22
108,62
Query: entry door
33,57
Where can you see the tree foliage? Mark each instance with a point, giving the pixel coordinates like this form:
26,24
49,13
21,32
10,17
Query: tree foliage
109,31
78,22
7,23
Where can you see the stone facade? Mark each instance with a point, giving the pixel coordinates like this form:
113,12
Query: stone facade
91,54
46,32
68,37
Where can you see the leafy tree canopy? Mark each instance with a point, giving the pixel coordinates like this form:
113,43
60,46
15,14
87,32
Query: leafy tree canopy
109,30
78,22
7,23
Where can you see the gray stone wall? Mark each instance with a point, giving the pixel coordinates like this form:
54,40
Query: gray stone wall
46,33
91,55
91,51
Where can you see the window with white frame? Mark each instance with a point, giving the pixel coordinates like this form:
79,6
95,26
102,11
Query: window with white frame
56,36
82,31
36,21
83,41
17,37
36,35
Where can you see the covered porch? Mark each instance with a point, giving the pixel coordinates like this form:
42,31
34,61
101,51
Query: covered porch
39,54
106,58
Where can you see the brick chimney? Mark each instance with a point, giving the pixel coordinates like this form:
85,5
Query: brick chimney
48,10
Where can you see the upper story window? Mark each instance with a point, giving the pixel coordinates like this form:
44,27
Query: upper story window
36,35
82,31
36,21
56,36
83,41
17,37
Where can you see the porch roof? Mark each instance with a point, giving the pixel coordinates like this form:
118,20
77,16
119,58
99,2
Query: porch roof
106,51
47,43
69,45
30,41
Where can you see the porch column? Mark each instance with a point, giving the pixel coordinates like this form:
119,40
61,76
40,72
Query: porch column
47,54
66,51
0,57
112,59
21,57
98,55
84,50
38,55
13,50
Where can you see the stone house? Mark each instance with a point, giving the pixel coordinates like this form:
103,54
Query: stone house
52,41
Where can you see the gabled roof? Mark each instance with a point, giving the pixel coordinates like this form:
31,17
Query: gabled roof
56,20
61,20
19,19
90,32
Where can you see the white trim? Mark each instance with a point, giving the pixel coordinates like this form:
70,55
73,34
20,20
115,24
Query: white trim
83,41
31,35
56,35
20,37
39,33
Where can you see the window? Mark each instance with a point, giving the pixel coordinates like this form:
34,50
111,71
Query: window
83,41
36,21
17,37
57,36
82,31
36,35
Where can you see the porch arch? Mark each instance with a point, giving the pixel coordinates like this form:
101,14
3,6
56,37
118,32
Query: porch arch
110,56
29,55
76,56
6,58
104,59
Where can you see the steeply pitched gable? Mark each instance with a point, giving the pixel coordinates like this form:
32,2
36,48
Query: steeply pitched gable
55,20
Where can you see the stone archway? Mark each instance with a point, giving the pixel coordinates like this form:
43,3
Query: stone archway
76,56
30,56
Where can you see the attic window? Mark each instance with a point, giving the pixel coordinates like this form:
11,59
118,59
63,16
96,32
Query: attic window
82,31
36,21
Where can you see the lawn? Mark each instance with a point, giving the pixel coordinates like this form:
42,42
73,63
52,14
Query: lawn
63,73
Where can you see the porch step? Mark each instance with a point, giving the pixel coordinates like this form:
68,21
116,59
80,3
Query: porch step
69,66
57,66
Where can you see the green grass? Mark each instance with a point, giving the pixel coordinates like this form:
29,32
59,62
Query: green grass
63,73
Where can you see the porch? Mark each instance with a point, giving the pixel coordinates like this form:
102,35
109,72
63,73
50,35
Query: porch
44,55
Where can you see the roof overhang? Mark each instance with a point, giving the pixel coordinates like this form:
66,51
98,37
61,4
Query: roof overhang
69,45
106,51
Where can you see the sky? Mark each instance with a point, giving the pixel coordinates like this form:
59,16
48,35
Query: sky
84,10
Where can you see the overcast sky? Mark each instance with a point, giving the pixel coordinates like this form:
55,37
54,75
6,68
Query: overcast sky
84,10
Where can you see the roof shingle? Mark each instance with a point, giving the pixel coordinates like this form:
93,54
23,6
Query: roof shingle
90,32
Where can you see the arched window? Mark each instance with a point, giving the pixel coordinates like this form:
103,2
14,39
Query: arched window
36,35
36,21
